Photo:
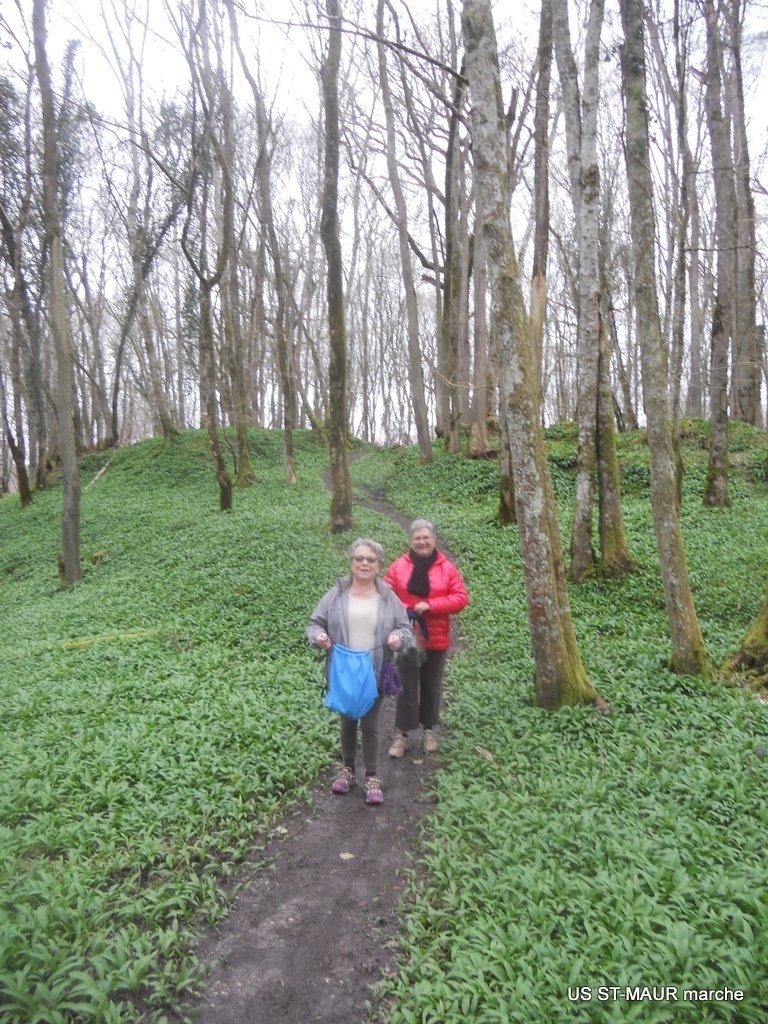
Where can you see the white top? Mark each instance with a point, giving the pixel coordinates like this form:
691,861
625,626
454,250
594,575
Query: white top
363,616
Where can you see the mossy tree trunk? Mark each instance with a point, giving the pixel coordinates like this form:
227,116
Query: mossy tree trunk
752,659
19,461
506,514
560,674
615,558
689,654
580,111
597,473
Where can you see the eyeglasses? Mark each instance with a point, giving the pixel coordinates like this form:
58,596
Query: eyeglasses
364,558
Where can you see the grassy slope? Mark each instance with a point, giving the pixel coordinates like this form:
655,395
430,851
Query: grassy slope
163,713
157,717
572,851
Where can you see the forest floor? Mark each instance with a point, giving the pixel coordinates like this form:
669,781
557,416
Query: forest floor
312,932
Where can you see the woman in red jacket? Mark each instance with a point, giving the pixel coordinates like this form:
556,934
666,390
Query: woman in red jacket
431,588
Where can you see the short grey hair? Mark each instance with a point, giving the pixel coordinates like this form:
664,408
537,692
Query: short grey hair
365,542
422,524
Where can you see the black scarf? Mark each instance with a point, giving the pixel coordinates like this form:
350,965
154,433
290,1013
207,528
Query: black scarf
418,584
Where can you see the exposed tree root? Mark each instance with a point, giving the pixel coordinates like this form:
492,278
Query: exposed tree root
601,706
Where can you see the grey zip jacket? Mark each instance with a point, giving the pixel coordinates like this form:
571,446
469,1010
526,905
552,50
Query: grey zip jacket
331,616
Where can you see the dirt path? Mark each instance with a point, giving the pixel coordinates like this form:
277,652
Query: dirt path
311,934
308,937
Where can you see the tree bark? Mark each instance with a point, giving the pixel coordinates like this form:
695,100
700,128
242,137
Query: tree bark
401,210
716,488
597,464
341,489
210,161
24,318
17,454
689,655
746,357
542,227
282,287
752,658
452,318
70,569
560,675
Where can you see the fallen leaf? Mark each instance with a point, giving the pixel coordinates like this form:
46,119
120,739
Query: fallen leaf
347,856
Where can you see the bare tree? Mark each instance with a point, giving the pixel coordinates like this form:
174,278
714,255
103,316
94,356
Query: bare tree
597,450
746,354
341,497
560,675
716,489
689,654
70,569
209,202
17,202
401,212
265,140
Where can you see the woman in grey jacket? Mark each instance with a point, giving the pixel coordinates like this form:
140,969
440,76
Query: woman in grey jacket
363,613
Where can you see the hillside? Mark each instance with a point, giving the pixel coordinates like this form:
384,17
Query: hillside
165,712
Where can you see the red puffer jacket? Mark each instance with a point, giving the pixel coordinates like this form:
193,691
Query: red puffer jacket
447,596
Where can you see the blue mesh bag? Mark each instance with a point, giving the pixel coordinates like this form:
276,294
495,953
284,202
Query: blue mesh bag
352,685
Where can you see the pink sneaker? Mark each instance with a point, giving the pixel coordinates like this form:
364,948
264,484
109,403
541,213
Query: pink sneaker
373,793
343,781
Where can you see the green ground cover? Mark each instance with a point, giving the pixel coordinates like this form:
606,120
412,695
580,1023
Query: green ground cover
581,867
161,716
156,718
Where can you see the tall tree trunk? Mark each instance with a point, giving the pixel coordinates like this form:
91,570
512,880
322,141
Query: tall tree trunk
447,384
560,675
211,187
70,569
597,449
282,286
17,449
341,488
208,380
477,444
746,359
542,225
230,297
401,212
689,654
716,488
19,461
24,318
584,178
694,399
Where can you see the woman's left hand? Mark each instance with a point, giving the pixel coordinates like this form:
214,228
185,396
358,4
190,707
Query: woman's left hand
394,641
